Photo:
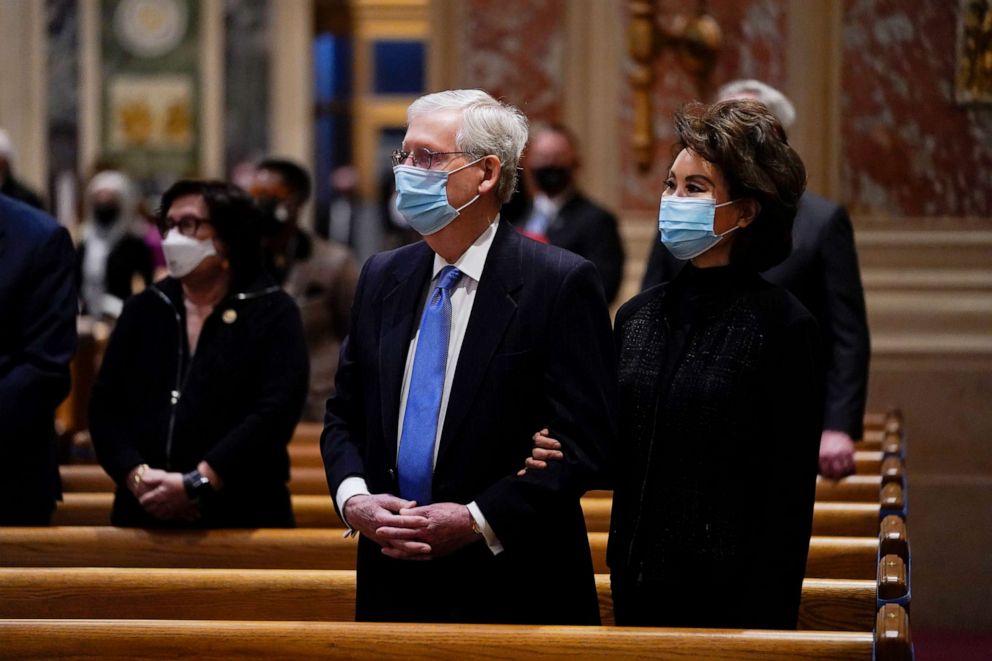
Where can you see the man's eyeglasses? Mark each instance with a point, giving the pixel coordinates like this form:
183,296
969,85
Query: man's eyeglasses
187,225
422,157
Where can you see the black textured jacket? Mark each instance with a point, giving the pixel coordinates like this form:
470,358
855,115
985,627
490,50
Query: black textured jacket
234,404
822,272
720,428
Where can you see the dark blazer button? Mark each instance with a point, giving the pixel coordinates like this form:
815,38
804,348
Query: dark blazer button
392,474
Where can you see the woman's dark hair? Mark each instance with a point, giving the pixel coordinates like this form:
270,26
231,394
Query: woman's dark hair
749,147
234,217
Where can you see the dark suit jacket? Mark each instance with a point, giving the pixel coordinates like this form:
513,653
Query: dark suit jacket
822,272
37,341
537,351
590,231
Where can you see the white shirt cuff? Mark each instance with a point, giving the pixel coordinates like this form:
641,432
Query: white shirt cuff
487,533
351,486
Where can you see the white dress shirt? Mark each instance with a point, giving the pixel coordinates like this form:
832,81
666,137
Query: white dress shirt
544,210
471,264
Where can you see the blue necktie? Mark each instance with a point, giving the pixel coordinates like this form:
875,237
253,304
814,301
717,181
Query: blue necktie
423,400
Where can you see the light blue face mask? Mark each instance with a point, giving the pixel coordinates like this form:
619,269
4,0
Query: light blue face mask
686,225
422,197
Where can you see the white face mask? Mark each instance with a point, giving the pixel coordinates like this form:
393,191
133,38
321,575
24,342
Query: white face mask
184,253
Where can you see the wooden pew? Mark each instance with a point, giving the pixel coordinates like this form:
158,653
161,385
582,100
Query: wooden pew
128,639
301,594
311,480
843,519
890,421
829,519
303,548
85,546
852,489
890,494
308,433
90,478
307,455
892,537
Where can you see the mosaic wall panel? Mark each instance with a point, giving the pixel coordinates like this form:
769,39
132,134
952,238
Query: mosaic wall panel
753,46
513,50
908,148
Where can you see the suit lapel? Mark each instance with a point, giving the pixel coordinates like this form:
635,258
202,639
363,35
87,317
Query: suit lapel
399,318
494,307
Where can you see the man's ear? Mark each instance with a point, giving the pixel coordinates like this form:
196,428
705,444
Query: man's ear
747,210
491,168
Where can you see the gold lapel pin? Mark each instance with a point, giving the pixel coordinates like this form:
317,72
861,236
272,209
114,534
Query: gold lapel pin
229,316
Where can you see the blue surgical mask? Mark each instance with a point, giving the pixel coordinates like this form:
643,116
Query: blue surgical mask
686,225
422,197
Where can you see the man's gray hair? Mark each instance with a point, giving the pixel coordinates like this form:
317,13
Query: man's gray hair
775,101
488,127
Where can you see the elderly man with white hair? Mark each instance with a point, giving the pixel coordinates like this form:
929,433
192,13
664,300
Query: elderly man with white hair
114,260
822,272
460,347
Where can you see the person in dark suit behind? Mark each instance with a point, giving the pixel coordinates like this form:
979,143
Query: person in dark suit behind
561,215
114,260
319,275
459,346
37,341
822,272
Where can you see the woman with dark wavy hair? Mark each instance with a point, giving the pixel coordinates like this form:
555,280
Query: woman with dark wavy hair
715,471
204,377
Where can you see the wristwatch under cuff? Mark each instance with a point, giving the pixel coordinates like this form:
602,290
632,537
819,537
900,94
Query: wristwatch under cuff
197,485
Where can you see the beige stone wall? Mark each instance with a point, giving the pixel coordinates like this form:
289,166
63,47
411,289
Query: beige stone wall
929,295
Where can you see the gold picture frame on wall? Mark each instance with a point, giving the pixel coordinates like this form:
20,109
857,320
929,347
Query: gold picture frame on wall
973,74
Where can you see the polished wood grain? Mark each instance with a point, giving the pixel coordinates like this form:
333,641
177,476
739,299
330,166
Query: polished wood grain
300,594
302,548
170,639
845,519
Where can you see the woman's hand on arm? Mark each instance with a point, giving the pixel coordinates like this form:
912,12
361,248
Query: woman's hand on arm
545,449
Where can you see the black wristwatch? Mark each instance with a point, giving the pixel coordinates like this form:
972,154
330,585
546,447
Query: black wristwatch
197,485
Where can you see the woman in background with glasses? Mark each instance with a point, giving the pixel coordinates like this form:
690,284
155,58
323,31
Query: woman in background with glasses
204,377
